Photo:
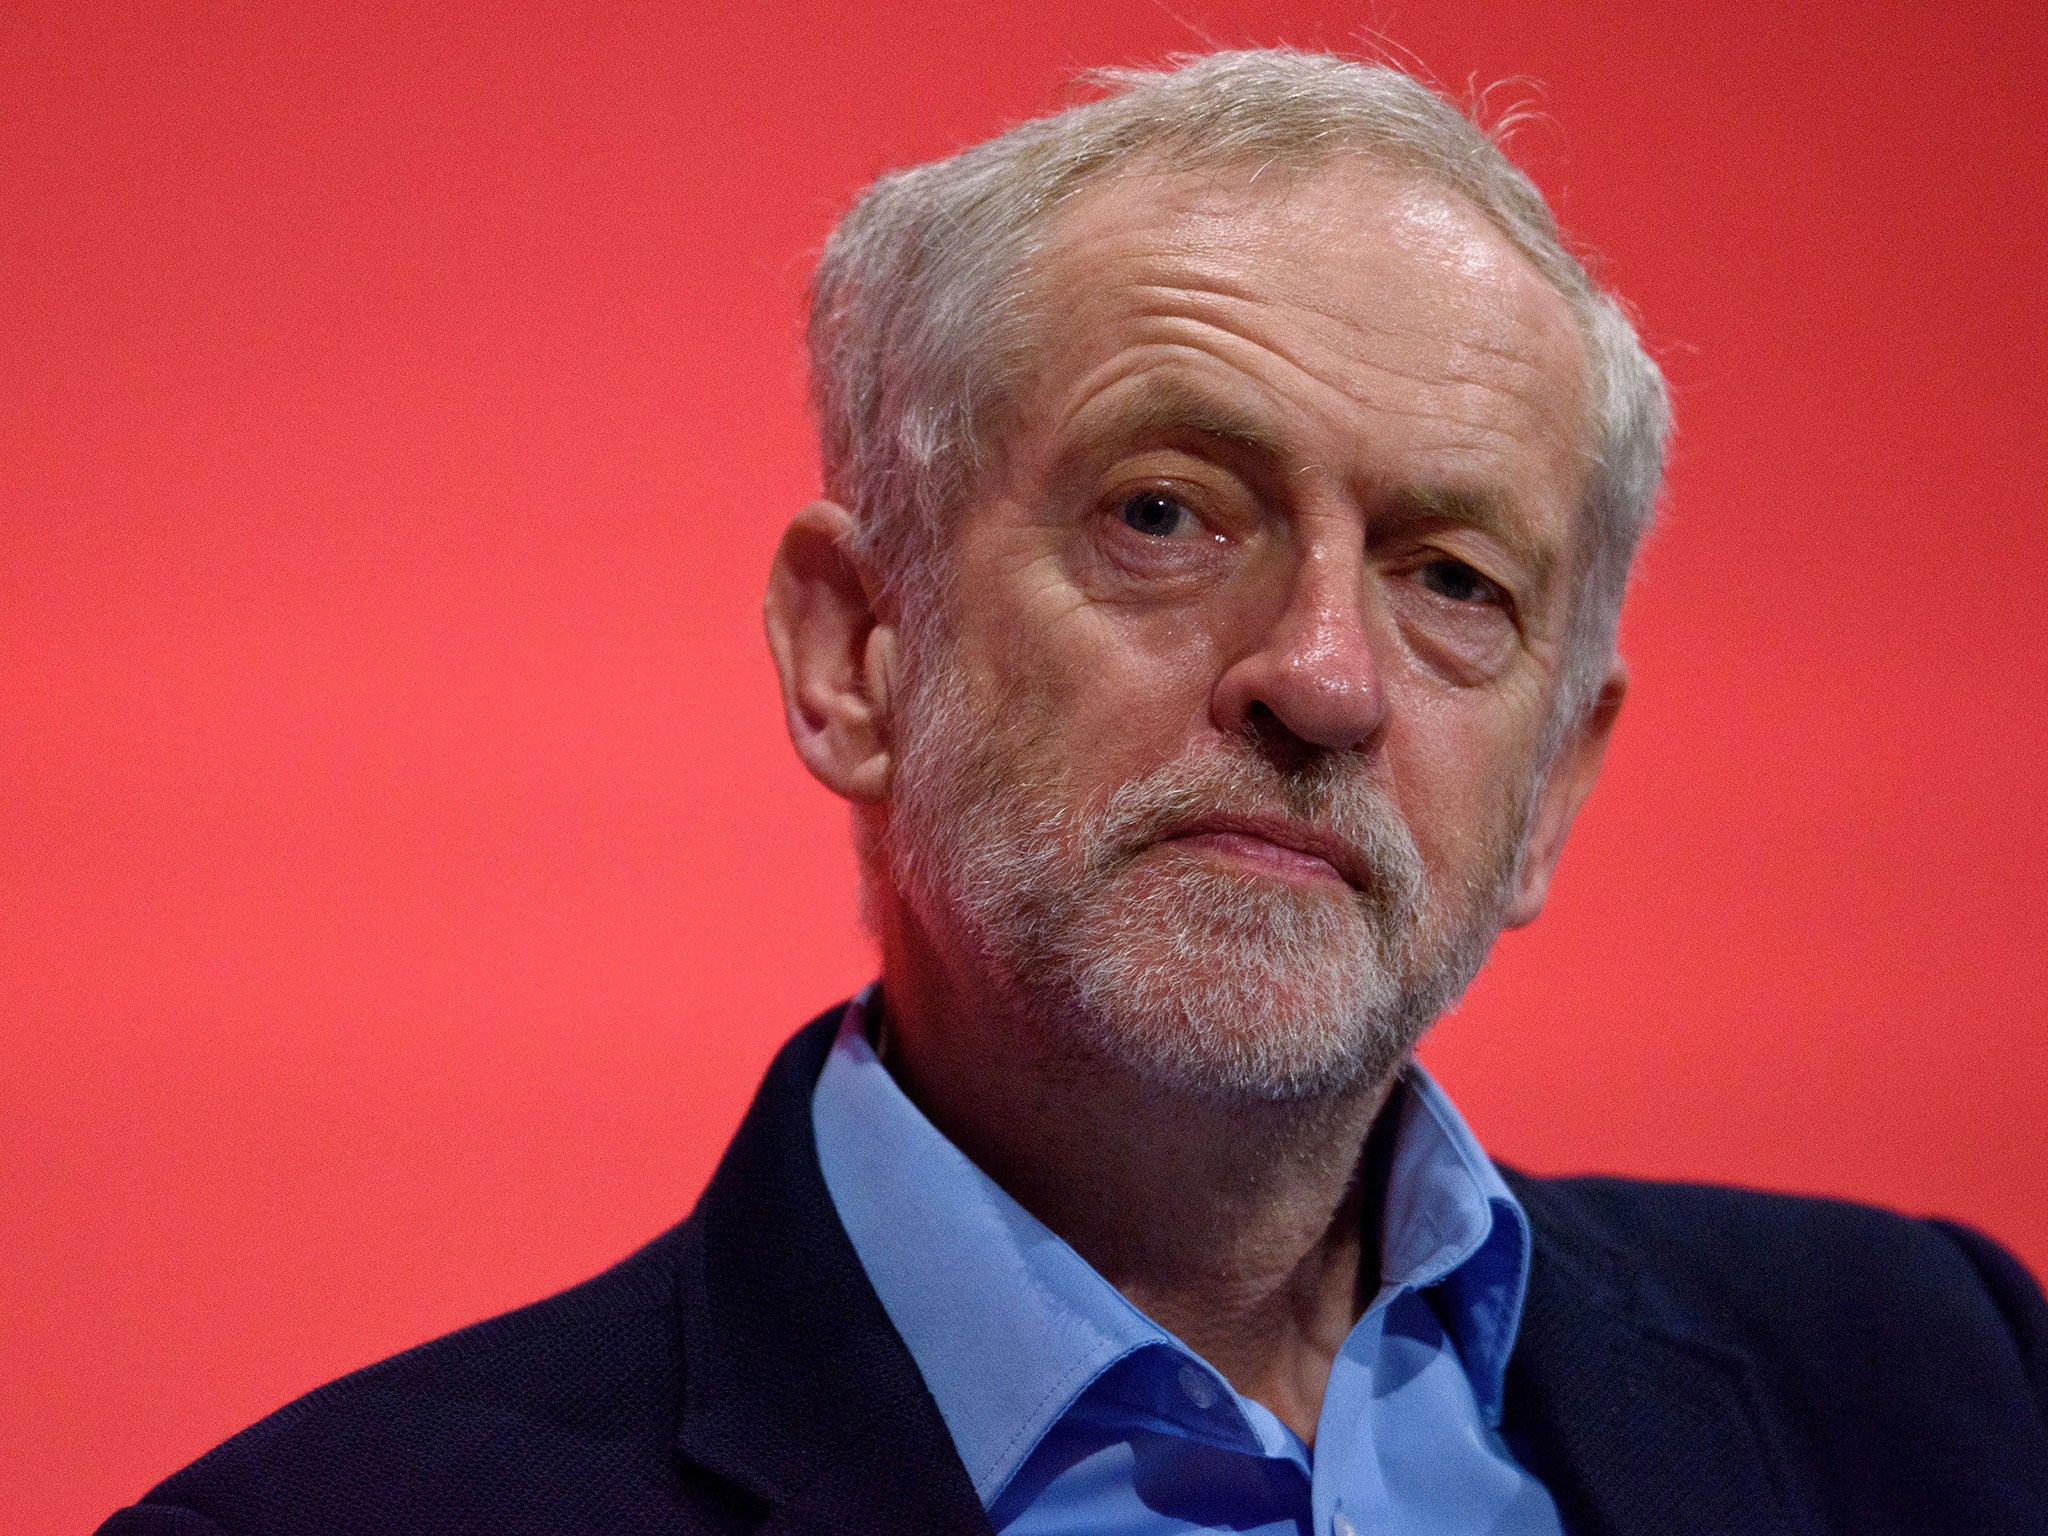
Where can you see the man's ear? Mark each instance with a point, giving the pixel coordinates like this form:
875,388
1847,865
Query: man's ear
835,655
1564,790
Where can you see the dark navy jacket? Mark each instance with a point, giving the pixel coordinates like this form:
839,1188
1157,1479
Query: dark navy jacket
1692,1360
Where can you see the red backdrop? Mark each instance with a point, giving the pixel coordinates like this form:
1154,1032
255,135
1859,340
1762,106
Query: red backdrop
404,873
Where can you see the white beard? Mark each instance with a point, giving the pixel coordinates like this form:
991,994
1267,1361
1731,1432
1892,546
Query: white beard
1155,960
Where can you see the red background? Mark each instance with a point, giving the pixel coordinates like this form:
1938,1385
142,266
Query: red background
404,873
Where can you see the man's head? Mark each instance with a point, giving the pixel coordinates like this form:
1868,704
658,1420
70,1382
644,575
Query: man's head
1235,481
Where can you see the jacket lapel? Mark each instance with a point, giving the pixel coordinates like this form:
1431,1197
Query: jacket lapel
798,1389
1639,1420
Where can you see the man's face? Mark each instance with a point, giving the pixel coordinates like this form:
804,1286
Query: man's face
1225,768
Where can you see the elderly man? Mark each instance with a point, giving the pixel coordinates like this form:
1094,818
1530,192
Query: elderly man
1232,485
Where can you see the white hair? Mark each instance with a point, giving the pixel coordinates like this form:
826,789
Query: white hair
919,327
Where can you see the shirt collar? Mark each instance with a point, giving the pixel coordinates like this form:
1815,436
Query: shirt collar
1007,1323
1010,1327
1450,1221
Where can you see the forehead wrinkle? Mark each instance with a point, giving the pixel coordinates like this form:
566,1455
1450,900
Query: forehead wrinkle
1342,370
1441,364
1488,410
1295,275
1196,261
1468,340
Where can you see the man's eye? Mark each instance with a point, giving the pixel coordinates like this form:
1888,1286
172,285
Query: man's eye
1156,514
1457,581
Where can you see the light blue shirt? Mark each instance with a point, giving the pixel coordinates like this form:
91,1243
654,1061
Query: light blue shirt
1075,1413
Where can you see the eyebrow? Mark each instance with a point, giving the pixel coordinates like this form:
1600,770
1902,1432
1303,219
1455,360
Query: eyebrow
1169,407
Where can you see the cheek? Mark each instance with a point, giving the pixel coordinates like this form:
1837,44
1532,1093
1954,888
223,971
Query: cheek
1160,660
1136,705
1457,773
1106,693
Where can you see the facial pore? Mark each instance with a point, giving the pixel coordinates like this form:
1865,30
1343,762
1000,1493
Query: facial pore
1119,948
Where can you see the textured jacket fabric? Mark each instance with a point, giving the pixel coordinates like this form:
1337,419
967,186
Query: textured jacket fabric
1692,1360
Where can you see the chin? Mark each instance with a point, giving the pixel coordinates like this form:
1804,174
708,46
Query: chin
1222,985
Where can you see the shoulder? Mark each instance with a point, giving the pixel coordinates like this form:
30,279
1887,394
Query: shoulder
1723,1224
558,1416
1854,1368
1819,1286
1752,1237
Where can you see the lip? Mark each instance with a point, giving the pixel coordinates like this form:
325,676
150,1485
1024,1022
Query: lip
1290,850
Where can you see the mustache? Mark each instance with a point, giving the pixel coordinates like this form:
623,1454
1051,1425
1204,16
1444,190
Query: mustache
1335,800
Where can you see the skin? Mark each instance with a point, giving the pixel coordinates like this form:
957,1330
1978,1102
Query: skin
1304,452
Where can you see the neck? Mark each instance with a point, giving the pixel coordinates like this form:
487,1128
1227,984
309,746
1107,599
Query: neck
1244,1228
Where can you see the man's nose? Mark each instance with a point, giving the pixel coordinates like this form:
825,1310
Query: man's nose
1312,667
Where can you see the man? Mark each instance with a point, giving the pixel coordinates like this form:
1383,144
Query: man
1232,484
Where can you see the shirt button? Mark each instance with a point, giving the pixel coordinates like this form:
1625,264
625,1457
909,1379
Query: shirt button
1200,1390
1340,1525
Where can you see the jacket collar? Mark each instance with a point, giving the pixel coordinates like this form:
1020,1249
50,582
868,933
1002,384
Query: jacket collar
1638,1413
797,1388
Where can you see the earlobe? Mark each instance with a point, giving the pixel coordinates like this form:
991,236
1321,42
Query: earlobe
1564,790
833,654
